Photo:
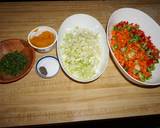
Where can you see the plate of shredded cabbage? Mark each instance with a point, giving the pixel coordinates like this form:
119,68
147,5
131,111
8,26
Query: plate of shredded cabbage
82,48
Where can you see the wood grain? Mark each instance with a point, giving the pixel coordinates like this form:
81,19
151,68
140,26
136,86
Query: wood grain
33,100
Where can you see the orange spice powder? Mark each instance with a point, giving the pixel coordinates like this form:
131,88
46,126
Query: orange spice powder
43,40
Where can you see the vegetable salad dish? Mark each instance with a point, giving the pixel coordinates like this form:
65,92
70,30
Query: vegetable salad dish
134,50
81,52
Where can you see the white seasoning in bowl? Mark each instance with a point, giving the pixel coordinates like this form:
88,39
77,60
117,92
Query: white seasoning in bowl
47,66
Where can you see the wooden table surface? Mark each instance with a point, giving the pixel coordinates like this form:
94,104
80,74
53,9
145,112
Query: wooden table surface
33,100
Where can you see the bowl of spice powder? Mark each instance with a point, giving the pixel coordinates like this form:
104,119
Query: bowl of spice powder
42,38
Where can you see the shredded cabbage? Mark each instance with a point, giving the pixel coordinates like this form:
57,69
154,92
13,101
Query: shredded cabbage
81,52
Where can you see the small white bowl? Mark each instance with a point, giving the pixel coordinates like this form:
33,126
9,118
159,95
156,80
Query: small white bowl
150,28
39,30
50,66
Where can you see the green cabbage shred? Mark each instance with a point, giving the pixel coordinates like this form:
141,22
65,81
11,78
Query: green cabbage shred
81,52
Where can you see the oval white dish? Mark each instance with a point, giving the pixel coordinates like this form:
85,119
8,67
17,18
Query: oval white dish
148,25
89,22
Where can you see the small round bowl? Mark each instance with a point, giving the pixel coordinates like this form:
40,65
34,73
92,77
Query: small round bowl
41,29
47,66
19,45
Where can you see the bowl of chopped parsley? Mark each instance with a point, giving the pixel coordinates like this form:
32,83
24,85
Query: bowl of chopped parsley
16,60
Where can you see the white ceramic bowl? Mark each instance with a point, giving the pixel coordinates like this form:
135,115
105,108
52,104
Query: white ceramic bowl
148,25
84,21
50,66
38,30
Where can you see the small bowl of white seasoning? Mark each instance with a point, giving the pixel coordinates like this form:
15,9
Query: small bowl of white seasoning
47,66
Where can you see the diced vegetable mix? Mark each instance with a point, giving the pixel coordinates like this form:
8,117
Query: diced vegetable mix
134,50
81,52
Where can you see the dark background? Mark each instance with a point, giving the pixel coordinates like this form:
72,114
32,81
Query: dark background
152,121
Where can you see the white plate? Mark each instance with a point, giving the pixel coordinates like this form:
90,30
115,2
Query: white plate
148,25
89,22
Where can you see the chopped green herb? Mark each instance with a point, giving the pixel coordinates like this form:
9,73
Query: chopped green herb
128,27
115,28
135,71
135,38
115,47
151,68
149,53
148,78
13,63
144,45
157,61
141,76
